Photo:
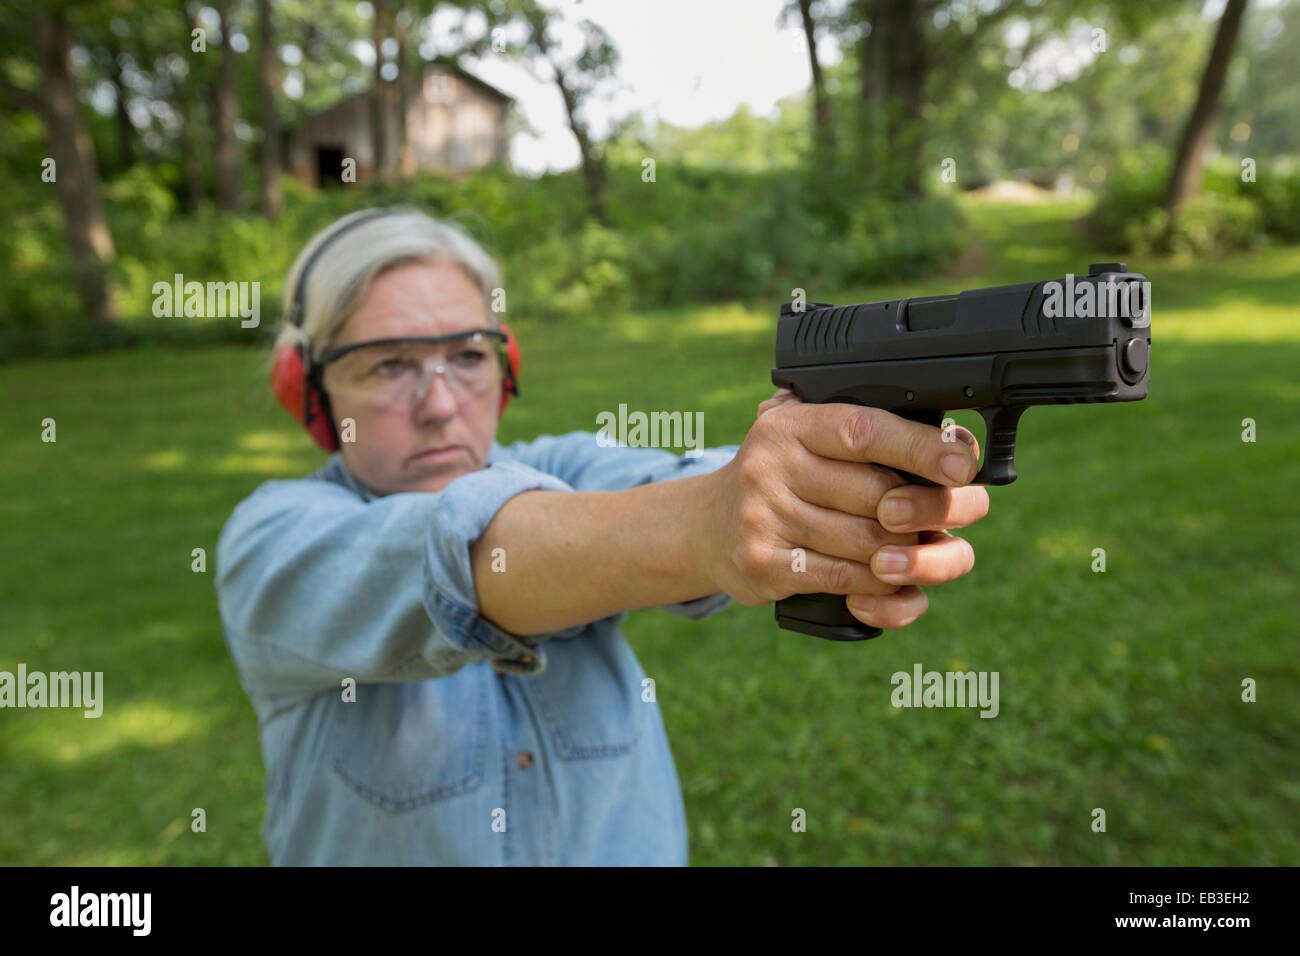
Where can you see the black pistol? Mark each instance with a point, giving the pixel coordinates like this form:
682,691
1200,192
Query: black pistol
997,350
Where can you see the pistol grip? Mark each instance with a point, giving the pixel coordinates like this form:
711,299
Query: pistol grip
822,615
827,615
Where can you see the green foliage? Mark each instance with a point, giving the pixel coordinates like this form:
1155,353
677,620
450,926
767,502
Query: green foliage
895,239
692,234
1278,194
140,192
1226,214
584,273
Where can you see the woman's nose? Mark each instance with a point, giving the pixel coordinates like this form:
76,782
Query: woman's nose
436,392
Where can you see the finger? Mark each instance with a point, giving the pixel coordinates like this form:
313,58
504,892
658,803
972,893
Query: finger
864,434
781,397
834,533
939,558
850,487
917,508
955,433
826,574
889,611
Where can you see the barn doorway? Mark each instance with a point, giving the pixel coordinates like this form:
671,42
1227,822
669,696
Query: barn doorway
329,166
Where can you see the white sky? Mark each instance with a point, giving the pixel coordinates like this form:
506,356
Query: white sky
686,62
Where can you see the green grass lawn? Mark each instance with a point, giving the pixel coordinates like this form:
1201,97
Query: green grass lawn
1119,690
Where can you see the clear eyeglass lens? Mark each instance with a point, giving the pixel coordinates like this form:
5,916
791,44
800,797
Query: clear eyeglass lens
394,373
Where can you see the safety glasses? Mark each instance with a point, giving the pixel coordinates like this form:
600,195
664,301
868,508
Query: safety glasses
399,371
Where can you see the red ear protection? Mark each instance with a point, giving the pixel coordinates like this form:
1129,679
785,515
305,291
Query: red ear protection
298,387
302,397
510,386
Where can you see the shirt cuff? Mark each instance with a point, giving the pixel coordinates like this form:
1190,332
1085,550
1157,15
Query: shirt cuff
697,608
464,510
710,460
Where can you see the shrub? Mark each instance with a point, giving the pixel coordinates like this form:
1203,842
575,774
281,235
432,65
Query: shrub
695,234
1277,193
1226,214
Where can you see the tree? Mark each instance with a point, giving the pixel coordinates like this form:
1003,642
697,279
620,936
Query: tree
907,51
268,79
187,107
1185,180
70,146
823,128
125,129
407,73
226,150
577,82
379,109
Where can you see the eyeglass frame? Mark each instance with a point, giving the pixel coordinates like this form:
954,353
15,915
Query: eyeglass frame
333,355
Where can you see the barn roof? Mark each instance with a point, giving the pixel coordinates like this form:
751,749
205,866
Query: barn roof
449,65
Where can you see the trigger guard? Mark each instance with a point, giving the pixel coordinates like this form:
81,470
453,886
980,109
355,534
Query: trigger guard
1000,422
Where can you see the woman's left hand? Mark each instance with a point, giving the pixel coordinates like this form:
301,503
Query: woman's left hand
932,512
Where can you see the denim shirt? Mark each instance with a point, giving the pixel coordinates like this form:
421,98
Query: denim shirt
465,744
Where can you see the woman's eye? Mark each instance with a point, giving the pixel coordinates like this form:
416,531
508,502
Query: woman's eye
471,357
391,367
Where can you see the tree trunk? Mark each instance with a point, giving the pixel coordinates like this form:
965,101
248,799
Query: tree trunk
906,95
268,79
378,96
76,177
125,130
1188,164
407,74
872,81
306,41
593,165
593,168
226,151
823,130
187,107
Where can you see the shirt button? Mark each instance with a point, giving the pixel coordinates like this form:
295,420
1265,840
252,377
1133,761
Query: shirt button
525,760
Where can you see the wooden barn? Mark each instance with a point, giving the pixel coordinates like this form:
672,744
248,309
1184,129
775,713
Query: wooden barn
455,124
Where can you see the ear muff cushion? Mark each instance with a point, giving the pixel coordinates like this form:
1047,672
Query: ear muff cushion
288,382
322,425
514,358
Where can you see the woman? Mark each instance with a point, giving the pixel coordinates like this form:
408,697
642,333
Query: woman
428,626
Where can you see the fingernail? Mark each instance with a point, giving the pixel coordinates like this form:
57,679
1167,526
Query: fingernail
965,436
956,467
889,561
898,511
864,605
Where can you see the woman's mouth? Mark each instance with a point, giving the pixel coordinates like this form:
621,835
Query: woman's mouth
438,454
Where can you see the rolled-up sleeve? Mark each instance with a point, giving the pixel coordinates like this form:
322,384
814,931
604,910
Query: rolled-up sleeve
578,459
464,510
316,585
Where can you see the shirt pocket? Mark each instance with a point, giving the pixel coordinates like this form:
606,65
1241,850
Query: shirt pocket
589,697
406,745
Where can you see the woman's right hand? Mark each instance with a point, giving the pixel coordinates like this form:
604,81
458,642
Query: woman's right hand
811,477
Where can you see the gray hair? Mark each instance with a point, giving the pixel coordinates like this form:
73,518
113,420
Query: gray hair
340,278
